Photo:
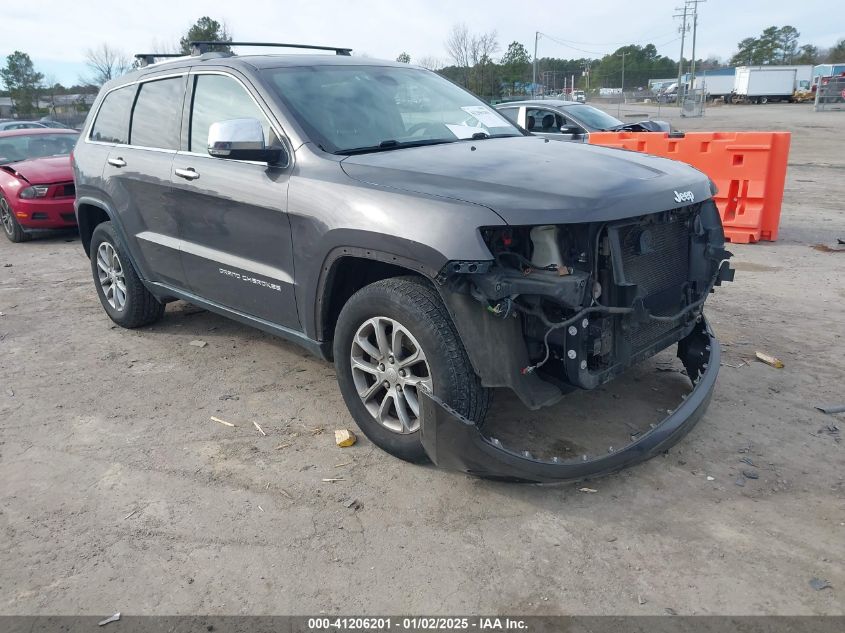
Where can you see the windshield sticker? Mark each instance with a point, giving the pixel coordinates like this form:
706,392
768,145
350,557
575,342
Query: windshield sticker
463,131
486,117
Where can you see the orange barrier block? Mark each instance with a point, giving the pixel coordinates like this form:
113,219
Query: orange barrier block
749,169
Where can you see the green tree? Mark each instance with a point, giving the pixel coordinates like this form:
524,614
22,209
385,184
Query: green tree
641,64
775,45
22,81
807,54
837,53
404,58
788,43
515,63
746,51
206,29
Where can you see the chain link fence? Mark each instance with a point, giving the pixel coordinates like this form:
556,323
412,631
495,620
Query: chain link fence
693,103
830,95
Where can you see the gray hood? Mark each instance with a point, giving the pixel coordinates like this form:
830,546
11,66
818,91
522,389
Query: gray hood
527,180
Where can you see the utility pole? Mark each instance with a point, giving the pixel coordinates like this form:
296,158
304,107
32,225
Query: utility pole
622,94
683,35
534,77
694,4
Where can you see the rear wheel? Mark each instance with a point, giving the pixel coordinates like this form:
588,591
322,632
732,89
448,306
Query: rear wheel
11,227
392,338
124,297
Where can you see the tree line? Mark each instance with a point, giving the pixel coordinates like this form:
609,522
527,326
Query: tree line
473,60
779,45
470,62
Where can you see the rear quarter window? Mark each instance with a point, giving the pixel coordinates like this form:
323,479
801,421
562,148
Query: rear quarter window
112,122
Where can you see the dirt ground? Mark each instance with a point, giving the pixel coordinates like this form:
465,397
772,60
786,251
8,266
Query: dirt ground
118,493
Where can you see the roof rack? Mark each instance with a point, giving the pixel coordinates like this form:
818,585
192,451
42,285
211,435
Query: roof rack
145,59
200,47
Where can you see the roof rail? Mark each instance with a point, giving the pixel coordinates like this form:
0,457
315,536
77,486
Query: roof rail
145,59
200,47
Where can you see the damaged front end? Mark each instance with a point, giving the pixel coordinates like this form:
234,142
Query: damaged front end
572,306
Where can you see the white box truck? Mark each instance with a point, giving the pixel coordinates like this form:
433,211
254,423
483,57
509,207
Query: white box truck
759,84
715,86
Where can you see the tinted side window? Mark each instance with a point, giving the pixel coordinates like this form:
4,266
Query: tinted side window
112,124
546,121
221,98
157,116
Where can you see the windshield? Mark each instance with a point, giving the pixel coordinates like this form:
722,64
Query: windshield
372,108
593,117
14,149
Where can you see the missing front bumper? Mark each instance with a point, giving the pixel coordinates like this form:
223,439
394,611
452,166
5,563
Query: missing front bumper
456,443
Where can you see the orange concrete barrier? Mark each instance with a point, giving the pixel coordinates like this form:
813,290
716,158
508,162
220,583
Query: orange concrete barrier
749,169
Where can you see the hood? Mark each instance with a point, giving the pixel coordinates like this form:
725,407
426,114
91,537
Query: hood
648,125
43,171
529,180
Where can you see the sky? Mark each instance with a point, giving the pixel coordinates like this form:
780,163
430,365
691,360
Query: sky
56,33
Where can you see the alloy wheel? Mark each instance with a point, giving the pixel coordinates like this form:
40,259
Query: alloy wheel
110,275
388,366
6,217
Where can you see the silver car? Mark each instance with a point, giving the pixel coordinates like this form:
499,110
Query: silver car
569,120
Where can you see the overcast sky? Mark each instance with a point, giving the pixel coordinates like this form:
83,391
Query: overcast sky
56,33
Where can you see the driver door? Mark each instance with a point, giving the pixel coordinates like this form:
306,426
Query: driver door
236,236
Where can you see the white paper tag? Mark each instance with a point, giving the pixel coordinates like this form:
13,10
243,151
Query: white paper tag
484,116
463,131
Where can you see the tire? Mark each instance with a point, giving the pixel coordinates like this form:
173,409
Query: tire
138,307
13,231
763,100
406,304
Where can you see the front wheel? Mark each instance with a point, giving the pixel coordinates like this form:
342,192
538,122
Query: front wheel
11,228
392,337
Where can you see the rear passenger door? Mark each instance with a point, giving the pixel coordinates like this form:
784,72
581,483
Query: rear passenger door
143,121
236,237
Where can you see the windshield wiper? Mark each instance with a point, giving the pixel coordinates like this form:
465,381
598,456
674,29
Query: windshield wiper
480,136
392,143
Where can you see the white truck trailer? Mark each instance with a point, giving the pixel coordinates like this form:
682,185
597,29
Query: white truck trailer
715,86
761,84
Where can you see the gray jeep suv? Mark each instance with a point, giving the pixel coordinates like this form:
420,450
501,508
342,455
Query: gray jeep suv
382,217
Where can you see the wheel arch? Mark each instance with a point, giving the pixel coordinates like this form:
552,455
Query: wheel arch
90,213
346,270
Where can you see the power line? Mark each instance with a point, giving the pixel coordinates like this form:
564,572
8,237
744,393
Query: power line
642,40
562,43
604,52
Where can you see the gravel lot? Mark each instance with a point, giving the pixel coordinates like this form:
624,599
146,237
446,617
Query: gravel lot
118,493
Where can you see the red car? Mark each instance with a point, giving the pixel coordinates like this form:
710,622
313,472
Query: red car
36,181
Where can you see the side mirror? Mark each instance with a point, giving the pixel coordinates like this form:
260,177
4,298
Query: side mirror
243,139
574,130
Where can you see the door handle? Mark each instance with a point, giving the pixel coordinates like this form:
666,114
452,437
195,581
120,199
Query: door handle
188,174
117,162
